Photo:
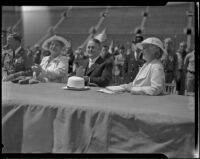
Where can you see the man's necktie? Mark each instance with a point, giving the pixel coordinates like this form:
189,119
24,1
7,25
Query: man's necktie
13,53
90,63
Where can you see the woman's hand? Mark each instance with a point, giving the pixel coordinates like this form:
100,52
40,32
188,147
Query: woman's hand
36,68
127,87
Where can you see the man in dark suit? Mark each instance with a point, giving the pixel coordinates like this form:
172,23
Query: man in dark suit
133,60
15,61
96,70
79,58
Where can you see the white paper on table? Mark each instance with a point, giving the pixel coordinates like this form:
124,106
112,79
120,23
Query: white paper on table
112,90
115,89
103,90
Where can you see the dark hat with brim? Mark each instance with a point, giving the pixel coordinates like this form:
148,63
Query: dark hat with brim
138,38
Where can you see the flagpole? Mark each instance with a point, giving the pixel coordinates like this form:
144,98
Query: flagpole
49,33
17,23
51,30
9,29
188,30
63,16
93,30
145,14
175,36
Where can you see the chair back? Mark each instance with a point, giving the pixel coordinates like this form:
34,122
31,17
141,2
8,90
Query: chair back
170,88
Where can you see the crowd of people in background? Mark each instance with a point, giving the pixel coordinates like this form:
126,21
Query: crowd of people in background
178,63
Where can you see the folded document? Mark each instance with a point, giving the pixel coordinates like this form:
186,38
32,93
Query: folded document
112,89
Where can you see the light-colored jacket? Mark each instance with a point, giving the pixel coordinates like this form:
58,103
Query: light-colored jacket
150,79
55,70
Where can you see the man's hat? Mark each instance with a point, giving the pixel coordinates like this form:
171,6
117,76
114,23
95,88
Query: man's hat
138,38
16,36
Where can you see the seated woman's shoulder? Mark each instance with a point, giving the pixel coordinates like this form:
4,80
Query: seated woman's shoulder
157,64
63,58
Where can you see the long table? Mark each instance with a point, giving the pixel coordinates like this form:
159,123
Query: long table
47,119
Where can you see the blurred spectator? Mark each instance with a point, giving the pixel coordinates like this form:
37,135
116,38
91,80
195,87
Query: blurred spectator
182,48
30,55
116,50
16,60
79,57
133,61
37,54
105,54
138,38
4,38
68,52
129,48
189,68
180,80
170,61
118,65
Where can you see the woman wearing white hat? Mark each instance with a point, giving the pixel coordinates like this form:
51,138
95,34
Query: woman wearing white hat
53,68
150,80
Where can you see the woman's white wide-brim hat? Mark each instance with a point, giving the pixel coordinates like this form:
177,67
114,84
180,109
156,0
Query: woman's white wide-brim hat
47,42
139,46
154,41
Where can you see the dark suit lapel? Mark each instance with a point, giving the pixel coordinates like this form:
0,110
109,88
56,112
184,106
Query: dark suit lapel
96,64
89,70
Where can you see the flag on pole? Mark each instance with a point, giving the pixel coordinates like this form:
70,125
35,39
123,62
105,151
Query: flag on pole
110,50
94,29
64,14
102,36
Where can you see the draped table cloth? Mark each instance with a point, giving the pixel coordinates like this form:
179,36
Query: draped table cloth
47,119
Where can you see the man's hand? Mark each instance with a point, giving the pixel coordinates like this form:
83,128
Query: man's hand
8,78
80,71
86,78
36,68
